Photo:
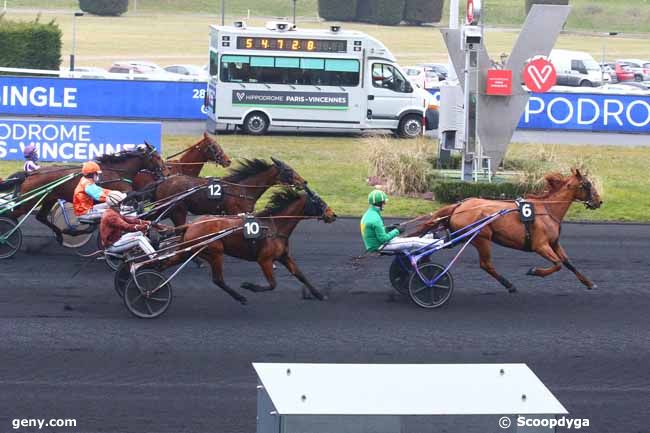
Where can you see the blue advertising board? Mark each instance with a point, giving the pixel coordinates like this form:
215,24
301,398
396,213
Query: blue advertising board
138,99
68,141
584,112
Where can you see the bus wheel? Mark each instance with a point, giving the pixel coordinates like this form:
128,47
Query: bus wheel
410,126
256,123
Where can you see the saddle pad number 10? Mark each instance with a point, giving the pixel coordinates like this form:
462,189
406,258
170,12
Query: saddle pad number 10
252,229
526,211
215,190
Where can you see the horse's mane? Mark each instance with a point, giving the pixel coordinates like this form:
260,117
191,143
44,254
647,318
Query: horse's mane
279,201
552,183
111,158
247,168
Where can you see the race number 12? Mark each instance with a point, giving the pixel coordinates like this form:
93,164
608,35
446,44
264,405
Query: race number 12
215,191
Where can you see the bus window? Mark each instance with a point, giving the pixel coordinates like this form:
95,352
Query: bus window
214,64
388,77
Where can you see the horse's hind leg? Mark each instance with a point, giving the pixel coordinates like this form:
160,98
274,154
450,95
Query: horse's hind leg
549,254
267,268
566,262
42,215
216,263
485,257
288,262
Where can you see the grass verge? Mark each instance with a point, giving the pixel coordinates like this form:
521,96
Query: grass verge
337,167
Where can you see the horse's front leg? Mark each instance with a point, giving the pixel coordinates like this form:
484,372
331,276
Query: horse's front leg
549,254
566,262
484,249
291,265
266,264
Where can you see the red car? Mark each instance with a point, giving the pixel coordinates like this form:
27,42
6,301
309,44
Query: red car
623,72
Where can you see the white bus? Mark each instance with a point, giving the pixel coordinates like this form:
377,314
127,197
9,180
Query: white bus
281,76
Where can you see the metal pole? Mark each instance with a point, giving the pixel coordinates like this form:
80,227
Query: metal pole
223,12
135,6
602,63
453,24
74,41
294,12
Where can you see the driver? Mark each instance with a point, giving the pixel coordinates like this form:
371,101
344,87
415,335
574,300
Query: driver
87,192
31,159
121,233
375,235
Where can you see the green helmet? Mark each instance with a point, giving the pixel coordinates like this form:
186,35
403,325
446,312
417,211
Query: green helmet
377,196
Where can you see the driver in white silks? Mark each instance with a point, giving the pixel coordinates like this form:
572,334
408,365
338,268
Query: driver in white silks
120,233
377,238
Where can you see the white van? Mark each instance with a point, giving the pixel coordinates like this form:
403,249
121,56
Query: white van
576,68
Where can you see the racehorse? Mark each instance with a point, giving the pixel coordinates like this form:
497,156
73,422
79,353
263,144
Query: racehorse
191,162
241,189
550,207
286,209
118,171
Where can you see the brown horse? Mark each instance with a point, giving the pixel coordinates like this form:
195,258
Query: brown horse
550,208
278,221
190,164
241,189
118,171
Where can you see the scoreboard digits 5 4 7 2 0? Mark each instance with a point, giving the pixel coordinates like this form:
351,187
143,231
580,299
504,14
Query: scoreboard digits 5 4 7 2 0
290,44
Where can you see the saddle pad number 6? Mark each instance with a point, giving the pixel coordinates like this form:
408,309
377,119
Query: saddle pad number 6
215,190
526,211
252,229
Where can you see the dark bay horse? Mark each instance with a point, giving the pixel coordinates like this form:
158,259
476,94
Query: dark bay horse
118,171
191,162
550,208
286,209
241,189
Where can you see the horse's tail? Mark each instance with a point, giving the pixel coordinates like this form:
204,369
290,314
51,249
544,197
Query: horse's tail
435,221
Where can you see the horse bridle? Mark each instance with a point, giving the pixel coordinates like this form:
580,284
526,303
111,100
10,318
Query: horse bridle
587,186
217,156
315,201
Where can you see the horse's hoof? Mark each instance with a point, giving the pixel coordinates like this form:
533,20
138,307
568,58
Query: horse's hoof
248,286
512,289
532,271
593,287
243,301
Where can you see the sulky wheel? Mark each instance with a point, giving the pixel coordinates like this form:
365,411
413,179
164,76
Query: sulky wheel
143,301
435,296
122,276
11,238
399,272
85,244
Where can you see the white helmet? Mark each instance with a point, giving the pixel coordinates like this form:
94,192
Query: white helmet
115,198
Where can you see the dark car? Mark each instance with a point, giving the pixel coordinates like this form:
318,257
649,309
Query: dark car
438,68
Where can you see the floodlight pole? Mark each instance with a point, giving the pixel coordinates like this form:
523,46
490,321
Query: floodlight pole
223,12
74,38
453,24
294,12
606,35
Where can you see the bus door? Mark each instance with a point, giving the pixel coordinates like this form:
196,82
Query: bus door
389,93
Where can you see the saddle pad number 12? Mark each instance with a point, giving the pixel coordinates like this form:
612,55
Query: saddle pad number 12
526,211
215,190
252,228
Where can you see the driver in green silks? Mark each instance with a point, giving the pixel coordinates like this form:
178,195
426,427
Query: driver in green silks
375,235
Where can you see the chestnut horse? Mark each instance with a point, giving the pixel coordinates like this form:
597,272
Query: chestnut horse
286,209
550,208
241,189
190,164
118,171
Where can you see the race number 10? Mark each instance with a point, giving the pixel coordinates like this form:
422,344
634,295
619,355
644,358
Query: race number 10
252,229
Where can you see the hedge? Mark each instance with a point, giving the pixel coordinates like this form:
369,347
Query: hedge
30,45
337,10
530,3
385,12
455,190
104,7
423,11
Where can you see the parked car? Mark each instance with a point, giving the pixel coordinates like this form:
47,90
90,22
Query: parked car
576,68
142,69
85,72
439,68
193,71
623,72
609,73
640,68
423,77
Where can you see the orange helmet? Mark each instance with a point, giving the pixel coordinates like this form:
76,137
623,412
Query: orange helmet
90,167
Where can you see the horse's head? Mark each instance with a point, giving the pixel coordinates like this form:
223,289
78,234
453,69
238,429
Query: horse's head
584,189
152,161
213,151
287,175
316,206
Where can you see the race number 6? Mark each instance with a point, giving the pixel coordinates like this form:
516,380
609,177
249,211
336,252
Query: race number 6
527,211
